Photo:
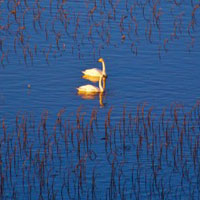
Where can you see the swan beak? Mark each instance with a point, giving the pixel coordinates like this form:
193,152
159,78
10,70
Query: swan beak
105,76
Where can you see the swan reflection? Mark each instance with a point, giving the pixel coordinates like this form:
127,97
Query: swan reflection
92,96
91,78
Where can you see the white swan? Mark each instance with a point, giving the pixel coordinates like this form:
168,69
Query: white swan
91,88
96,72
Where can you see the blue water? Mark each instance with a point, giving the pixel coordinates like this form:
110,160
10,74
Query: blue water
159,74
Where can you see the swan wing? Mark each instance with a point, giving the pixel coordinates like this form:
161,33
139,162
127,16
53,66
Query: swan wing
92,72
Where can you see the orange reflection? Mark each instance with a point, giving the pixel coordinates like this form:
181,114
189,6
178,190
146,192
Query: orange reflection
94,79
104,83
91,96
91,78
101,99
87,95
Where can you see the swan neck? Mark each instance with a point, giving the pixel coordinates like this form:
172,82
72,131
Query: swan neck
104,67
100,86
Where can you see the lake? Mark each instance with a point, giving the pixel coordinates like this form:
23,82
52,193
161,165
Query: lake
140,135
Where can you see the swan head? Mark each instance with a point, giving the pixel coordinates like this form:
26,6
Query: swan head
100,60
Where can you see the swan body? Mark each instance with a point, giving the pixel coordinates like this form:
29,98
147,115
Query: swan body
96,72
91,88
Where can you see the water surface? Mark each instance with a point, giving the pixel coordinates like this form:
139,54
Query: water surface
151,51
